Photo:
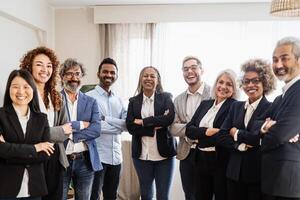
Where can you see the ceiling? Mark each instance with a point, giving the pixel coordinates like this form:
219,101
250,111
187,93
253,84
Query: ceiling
77,3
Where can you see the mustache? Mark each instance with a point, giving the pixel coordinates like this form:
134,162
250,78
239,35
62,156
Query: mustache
73,82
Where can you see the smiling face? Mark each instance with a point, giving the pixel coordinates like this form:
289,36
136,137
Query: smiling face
285,64
191,72
252,86
107,75
20,92
149,80
72,79
41,69
224,88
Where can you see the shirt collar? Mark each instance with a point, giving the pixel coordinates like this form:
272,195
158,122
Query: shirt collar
199,91
254,104
19,114
289,84
103,92
218,106
145,98
68,97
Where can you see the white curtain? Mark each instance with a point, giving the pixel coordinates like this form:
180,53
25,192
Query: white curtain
219,45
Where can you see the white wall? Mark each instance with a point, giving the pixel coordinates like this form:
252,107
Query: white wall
24,25
78,37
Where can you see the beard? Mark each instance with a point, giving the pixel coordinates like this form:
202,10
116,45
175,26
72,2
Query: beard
73,86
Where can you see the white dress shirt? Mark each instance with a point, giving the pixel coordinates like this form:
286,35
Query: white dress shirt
193,101
24,192
49,112
208,120
72,111
149,144
250,108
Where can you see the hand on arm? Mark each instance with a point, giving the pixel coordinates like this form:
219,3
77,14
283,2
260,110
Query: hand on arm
232,131
211,131
267,125
85,124
67,128
47,147
2,138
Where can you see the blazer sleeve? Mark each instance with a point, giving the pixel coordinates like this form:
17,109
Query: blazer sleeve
163,120
57,132
25,153
250,137
133,128
93,130
286,127
193,131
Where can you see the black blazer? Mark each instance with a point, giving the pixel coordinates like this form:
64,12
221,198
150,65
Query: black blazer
193,131
165,142
281,159
243,166
18,153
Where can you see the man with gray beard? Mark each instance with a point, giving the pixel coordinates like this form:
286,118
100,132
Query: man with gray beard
81,149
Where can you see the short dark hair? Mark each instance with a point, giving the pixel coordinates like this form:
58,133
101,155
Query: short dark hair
25,74
107,61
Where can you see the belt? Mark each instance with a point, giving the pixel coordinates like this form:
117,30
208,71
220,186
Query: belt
193,146
76,156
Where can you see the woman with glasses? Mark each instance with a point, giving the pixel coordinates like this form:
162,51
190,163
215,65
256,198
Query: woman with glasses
150,113
239,128
43,64
211,160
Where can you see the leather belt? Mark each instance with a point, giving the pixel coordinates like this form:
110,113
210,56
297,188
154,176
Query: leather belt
76,156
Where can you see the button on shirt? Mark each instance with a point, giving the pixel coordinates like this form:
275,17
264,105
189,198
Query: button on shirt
149,144
193,101
109,142
24,186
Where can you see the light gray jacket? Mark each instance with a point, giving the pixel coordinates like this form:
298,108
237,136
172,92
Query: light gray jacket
178,129
57,134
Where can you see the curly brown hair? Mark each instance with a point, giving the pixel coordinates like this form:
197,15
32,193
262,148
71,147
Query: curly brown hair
26,63
264,71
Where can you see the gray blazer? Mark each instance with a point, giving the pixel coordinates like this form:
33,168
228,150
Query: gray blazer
178,129
57,134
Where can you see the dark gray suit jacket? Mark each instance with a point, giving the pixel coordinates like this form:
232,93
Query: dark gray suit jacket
280,158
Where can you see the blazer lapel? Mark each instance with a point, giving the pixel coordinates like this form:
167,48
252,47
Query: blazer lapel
138,105
81,105
258,110
158,105
14,121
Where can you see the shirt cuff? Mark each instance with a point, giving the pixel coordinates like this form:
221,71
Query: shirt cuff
81,125
235,136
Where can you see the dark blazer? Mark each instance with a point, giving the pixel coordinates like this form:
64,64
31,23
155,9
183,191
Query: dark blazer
243,166
87,110
193,131
165,142
281,159
18,153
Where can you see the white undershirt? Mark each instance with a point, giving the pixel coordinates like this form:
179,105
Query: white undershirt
149,144
24,192
49,112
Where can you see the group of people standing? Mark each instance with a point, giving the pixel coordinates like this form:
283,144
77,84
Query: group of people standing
228,149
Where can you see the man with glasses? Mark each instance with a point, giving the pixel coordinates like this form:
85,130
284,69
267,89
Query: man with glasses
81,149
281,154
185,106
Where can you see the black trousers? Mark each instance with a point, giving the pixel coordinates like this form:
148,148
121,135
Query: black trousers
210,177
54,176
238,190
107,181
187,169
269,197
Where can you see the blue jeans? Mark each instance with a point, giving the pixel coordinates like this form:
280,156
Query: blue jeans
107,181
160,171
82,177
25,198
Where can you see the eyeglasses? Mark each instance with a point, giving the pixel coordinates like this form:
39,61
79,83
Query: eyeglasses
75,74
192,67
254,81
